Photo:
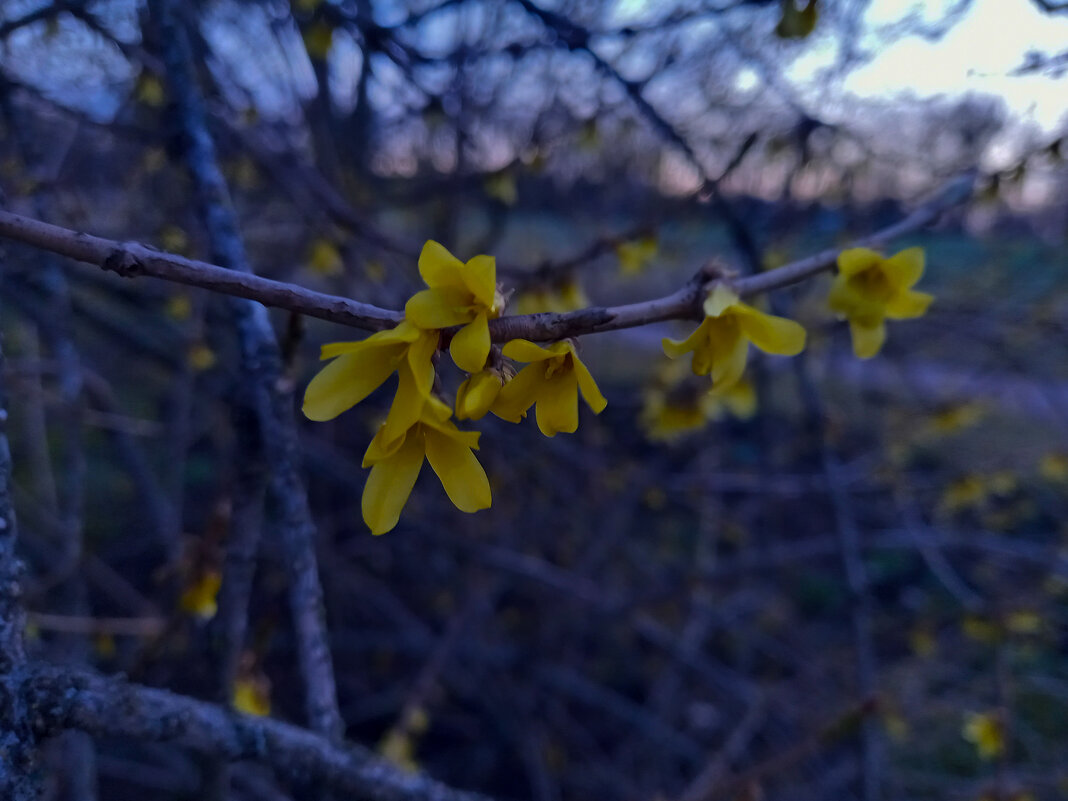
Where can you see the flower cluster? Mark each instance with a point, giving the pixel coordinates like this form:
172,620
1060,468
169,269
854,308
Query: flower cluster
457,306
418,426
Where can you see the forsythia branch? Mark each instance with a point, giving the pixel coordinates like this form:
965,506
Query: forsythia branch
134,259
61,699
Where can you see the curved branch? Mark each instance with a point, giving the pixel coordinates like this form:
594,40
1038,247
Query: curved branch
133,259
61,699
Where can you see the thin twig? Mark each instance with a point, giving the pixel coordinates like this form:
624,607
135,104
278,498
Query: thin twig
134,259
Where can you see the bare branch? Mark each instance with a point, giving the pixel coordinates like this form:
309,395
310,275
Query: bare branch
62,699
277,444
17,744
131,259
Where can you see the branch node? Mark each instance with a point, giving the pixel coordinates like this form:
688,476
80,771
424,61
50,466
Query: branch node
123,262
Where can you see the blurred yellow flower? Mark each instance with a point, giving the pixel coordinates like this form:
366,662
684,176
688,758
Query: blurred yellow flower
458,294
501,186
552,380
987,732
252,695
720,345
318,39
1054,467
361,367
796,23
174,239
201,357
150,91
395,463
324,258
634,256
398,744
566,295
869,289
199,598
670,414
980,629
957,417
179,307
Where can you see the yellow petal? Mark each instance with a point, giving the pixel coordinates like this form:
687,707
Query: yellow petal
435,410
439,268
523,350
420,356
461,475
741,399
855,260
867,339
557,406
380,447
480,277
730,363
469,439
346,381
675,348
721,298
477,394
401,334
905,268
391,482
590,392
519,394
843,298
471,345
721,338
908,304
407,404
770,333
438,308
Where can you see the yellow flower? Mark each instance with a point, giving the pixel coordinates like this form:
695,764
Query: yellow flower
501,186
395,463
477,394
987,732
252,689
566,295
1054,467
318,39
458,293
324,258
361,367
669,415
635,256
796,23
869,289
720,344
552,380
199,598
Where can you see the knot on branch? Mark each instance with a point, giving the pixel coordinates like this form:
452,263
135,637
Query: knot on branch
123,262
714,270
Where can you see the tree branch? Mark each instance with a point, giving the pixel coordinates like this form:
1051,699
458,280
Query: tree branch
18,746
277,442
62,699
132,259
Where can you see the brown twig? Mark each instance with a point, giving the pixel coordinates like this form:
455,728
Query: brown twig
134,259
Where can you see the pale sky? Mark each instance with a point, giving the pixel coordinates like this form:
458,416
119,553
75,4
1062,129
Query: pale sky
976,55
